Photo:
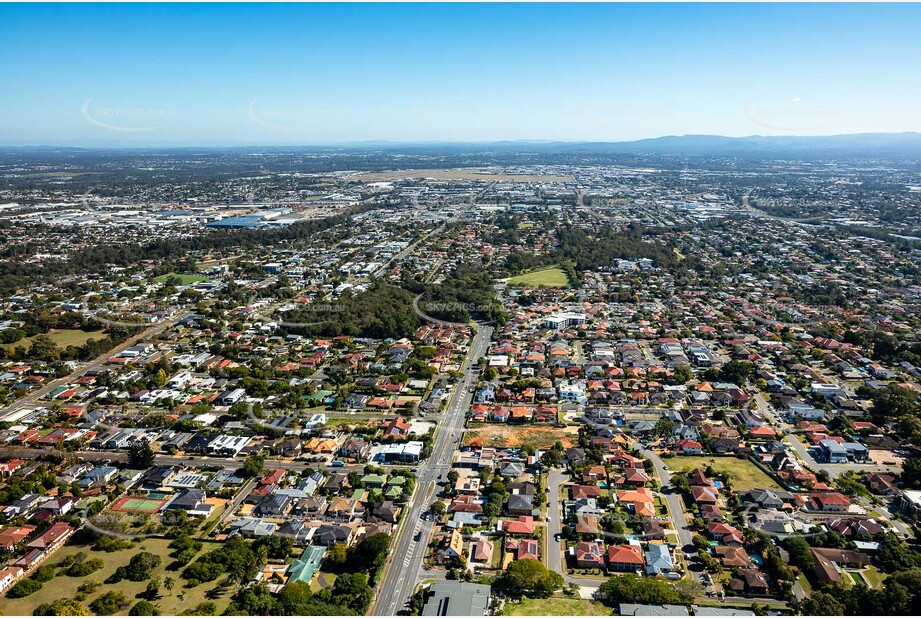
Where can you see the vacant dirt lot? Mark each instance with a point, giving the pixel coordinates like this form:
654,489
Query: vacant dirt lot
518,435
885,458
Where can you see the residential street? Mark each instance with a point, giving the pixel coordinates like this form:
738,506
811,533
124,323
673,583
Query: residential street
407,553
675,505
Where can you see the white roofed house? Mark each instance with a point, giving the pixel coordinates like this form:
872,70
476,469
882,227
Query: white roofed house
228,445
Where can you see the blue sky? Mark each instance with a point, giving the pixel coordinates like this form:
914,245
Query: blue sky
228,74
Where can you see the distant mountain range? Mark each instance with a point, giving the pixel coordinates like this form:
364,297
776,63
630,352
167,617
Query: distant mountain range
862,144
715,145
901,145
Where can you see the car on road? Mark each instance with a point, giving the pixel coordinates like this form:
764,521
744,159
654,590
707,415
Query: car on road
418,536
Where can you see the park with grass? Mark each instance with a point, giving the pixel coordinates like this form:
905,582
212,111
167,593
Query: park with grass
554,277
60,337
91,587
743,474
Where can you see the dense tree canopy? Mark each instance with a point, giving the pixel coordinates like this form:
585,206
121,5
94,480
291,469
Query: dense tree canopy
529,578
630,588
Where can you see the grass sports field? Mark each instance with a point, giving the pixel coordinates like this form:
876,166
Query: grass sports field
138,504
548,277
744,474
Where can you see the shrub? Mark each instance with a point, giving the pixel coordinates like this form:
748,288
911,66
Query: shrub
206,608
109,544
62,607
44,573
24,588
110,603
141,566
90,586
82,569
144,608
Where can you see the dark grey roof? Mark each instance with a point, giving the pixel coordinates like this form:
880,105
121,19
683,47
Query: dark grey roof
454,598
635,609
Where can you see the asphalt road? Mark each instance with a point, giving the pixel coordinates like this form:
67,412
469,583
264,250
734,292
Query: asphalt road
406,553
555,525
555,561
193,461
674,501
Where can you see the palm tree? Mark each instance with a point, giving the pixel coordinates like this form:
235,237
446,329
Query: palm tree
168,583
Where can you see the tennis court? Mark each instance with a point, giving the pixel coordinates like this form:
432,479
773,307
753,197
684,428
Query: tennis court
134,504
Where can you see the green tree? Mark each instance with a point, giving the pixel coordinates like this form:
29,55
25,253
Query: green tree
630,588
800,556
894,401
140,455
683,373
529,578
664,427
144,608
62,607
700,542
110,603
370,552
44,348
911,472
253,466
736,372
24,588
822,604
